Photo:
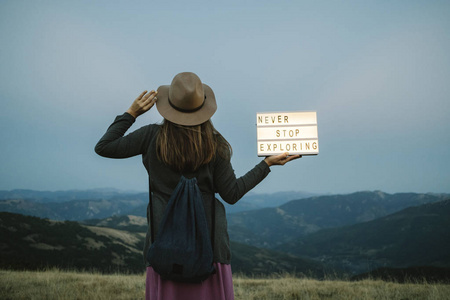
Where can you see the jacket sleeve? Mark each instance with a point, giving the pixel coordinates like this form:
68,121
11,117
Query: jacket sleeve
230,188
114,144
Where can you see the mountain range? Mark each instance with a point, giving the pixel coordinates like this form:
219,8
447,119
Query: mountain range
64,196
28,243
102,203
271,227
415,236
354,233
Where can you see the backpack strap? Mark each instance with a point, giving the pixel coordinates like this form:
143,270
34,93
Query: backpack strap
213,218
150,201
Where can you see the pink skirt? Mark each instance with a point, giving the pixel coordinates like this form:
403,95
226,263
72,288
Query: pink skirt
218,286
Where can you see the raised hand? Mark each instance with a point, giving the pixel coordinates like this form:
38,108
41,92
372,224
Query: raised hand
143,103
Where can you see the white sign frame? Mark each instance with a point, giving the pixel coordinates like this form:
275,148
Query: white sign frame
294,132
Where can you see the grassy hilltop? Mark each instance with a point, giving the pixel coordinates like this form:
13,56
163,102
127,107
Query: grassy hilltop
56,284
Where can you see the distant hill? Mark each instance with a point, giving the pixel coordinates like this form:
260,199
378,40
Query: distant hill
32,243
74,210
124,222
250,260
252,201
102,203
64,196
415,236
271,227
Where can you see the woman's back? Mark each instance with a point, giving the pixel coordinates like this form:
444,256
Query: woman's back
185,144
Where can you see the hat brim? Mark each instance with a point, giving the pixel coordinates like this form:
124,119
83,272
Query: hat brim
186,118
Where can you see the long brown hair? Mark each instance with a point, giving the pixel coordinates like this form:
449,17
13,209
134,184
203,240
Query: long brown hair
186,148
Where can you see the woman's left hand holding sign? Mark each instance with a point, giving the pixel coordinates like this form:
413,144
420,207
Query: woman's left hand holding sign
143,103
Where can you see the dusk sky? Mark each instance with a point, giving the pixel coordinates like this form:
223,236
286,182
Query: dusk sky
376,72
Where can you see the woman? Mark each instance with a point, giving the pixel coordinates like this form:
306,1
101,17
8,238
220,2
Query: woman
187,144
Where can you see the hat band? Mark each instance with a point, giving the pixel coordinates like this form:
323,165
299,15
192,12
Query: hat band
186,110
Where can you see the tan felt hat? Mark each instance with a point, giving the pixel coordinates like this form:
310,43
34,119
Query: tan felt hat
186,101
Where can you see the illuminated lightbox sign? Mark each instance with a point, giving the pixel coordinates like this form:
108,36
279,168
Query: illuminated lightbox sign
293,132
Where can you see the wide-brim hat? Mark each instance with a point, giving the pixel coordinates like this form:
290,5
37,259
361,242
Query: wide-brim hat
186,101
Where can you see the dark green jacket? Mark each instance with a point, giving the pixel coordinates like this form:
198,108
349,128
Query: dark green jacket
215,177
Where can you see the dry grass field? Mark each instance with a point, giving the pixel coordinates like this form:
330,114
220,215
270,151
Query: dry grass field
56,284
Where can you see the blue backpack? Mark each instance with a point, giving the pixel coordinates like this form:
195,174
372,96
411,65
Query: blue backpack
182,250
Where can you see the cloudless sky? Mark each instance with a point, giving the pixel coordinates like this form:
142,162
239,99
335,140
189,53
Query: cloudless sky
376,72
